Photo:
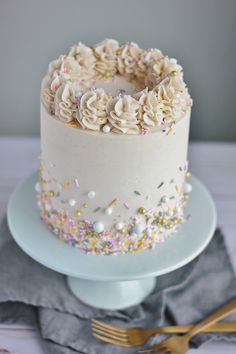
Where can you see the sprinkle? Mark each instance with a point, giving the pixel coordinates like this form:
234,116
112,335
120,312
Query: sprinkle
180,168
72,124
142,210
186,165
77,182
85,205
147,197
172,197
72,202
169,131
119,226
98,227
106,129
187,188
164,199
126,205
123,230
160,185
173,73
50,193
113,202
91,194
77,212
96,210
137,193
66,183
172,180
138,228
144,131
108,211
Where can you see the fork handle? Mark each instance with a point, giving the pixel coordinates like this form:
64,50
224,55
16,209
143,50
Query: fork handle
214,317
214,328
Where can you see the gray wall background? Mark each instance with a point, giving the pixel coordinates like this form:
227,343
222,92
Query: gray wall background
199,33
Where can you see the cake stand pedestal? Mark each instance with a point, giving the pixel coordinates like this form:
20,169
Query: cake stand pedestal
110,282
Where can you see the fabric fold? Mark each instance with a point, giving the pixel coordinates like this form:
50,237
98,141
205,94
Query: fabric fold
33,294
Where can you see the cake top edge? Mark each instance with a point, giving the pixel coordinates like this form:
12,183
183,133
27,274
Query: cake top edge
112,88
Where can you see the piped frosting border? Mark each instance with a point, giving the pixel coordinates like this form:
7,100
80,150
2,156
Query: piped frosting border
161,98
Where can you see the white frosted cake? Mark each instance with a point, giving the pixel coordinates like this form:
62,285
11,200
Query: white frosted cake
114,138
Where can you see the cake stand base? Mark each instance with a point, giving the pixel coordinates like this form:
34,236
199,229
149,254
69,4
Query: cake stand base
111,295
110,282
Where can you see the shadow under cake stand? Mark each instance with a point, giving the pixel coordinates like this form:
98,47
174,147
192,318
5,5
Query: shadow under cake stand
110,282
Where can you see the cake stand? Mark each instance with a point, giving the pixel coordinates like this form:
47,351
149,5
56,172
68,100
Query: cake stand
110,282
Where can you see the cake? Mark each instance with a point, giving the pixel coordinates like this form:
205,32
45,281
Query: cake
114,138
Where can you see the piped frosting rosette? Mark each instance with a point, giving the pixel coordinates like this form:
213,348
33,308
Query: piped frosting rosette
160,99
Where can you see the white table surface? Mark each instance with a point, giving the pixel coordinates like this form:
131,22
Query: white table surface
213,163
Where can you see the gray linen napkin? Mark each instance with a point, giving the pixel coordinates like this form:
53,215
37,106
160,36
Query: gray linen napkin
33,294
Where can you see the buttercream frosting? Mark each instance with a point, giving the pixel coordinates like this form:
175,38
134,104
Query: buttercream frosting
160,98
92,113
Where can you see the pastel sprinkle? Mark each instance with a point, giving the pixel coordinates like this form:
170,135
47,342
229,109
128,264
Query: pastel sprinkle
96,210
137,193
77,182
72,125
169,131
126,205
160,185
113,202
66,183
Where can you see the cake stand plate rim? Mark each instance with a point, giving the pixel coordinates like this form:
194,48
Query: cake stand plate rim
182,247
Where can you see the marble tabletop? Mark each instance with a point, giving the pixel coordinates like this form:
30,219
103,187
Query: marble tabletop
213,163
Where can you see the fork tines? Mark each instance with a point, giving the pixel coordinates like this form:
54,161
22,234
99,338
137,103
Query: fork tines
110,334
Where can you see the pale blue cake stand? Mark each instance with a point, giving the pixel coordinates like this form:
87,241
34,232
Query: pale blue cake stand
110,282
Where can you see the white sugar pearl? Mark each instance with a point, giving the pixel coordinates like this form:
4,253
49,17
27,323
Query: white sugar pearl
37,187
91,194
98,227
48,207
164,199
72,202
39,203
108,211
119,225
106,129
179,210
187,188
138,228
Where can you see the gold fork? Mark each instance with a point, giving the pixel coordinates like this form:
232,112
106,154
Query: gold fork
180,344
134,336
